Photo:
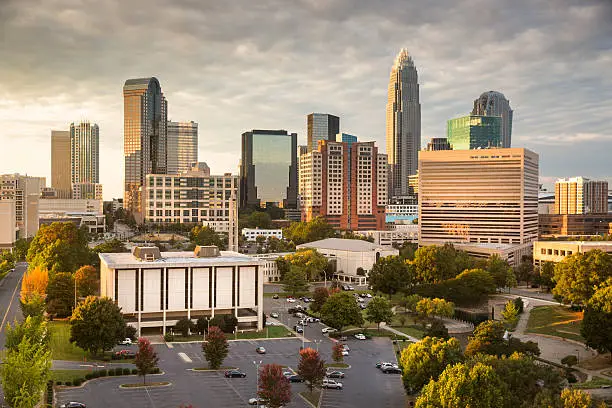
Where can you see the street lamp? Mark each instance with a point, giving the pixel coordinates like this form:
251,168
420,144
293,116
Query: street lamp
317,342
257,364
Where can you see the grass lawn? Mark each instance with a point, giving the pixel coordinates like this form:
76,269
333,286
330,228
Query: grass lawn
268,332
400,345
142,385
556,321
414,331
61,348
596,382
312,397
68,375
337,365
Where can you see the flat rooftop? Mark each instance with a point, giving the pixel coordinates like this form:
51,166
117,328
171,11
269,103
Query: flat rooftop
579,243
341,244
186,258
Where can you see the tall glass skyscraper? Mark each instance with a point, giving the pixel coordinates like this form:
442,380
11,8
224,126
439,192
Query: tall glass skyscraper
474,132
145,116
85,161
182,146
268,169
494,103
321,126
403,123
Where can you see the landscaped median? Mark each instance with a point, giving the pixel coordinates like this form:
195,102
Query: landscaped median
557,321
147,385
313,398
270,332
75,378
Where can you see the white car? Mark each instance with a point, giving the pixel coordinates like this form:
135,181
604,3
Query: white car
126,342
274,315
388,365
291,300
361,300
328,383
328,330
345,347
345,352
255,401
360,336
368,295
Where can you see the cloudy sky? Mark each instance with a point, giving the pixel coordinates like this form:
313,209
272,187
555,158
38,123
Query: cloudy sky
234,65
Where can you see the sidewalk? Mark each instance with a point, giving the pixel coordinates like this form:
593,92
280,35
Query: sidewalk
399,333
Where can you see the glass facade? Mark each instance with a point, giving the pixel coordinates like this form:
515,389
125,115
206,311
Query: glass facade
321,126
474,132
182,146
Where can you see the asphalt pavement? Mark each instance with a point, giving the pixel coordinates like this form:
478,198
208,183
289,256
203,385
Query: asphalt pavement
9,298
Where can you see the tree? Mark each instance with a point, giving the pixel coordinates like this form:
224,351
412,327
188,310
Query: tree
488,338
311,368
226,322
597,322
309,260
437,329
34,281
274,387
340,311
184,326
407,250
545,275
470,287
295,280
20,249
576,399
464,386
25,373
97,325
391,275
427,308
524,272
379,310
580,274
319,298
60,294
205,235
426,360
59,247
259,219
202,324
510,314
313,230
112,246
569,361
215,347
337,349
33,305
500,270
33,328
146,359
87,281
435,264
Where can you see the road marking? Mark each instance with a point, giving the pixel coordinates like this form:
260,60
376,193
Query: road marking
9,305
185,357
169,345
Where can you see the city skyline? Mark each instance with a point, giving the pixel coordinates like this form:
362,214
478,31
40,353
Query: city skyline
206,77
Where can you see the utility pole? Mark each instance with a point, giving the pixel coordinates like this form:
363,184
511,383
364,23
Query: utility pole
257,364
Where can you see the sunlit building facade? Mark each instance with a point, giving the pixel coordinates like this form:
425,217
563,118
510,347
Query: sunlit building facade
474,132
321,126
85,161
182,146
494,103
60,163
578,195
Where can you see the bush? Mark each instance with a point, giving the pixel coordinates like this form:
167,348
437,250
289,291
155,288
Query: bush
77,381
569,361
58,383
571,378
156,370
168,337
134,371
111,372
103,373
126,371
518,302
68,383
95,374
88,376
106,359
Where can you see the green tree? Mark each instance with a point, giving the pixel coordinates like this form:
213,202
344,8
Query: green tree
97,325
488,338
545,275
426,360
597,322
146,359
437,329
391,275
205,235
435,264
569,361
408,250
524,272
470,287
33,328
510,314
25,373
500,270
259,219
59,247
314,230
578,275
112,246
33,305
226,322
184,326
311,368
379,310
87,281
340,311
319,298
60,294
309,260
428,308
215,347
464,386
20,249
274,387
295,280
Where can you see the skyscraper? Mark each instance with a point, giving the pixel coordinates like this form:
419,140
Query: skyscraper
60,163
438,143
85,161
145,137
578,195
182,146
268,169
494,103
474,132
321,126
403,123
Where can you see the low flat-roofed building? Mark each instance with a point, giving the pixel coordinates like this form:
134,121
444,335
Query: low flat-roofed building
556,251
351,254
394,236
155,289
270,268
508,252
60,205
95,223
251,234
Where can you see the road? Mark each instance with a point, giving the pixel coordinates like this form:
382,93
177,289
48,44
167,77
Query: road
9,298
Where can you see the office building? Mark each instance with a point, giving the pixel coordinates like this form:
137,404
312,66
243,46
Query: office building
346,138
156,289
488,196
95,224
61,163
145,117
556,225
25,191
182,146
438,143
85,161
193,196
403,123
269,266
401,213
394,236
8,224
493,103
62,206
349,201
251,234
578,195
556,251
302,149
268,169
474,132
321,126
511,253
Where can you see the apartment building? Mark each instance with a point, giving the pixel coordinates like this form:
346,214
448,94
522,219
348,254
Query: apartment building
556,251
25,191
578,195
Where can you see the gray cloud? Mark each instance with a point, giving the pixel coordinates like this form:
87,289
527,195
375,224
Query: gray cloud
237,65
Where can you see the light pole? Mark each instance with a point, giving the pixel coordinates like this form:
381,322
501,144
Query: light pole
257,364
317,342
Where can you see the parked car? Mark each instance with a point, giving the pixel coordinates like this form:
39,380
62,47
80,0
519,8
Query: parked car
379,364
73,404
298,329
345,287
343,338
362,306
295,378
350,287
234,374
126,342
345,347
260,350
299,315
368,295
361,300
328,383
275,296
391,370
257,401
288,374
124,354
360,336
334,374
345,352
291,300
274,315
384,365
328,330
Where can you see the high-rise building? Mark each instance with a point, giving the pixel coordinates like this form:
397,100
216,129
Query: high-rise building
321,126
485,198
346,138
25,191
494,103
60,163
474,132
403,123
438,143
145,111
302,149
578,195
8,224
85,161
182,146
268,169
352,200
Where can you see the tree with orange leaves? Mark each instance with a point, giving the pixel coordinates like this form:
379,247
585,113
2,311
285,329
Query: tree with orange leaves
311,368
33,291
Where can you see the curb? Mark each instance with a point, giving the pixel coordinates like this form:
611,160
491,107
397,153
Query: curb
167,384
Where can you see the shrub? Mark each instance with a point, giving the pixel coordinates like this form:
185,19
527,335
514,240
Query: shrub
103,373
111,372
168,337
569,361
68,383
126,371
58,383
88,376
77,381
134,371
106,359
518,302
156,370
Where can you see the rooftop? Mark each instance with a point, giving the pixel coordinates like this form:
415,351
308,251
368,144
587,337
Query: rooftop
580,243
186,258
355,245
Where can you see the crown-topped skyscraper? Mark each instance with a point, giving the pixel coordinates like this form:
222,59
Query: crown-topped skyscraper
403,123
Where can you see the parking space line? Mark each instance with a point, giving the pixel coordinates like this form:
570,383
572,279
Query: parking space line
185,358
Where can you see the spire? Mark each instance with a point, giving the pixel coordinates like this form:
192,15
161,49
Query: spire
403,58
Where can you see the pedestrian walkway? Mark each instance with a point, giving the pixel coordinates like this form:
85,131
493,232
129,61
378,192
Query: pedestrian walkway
397,332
